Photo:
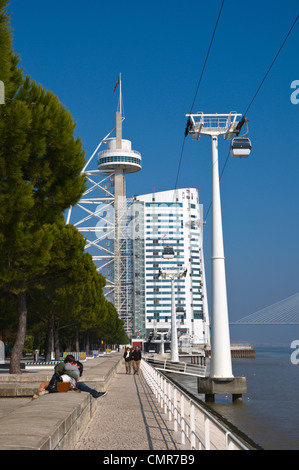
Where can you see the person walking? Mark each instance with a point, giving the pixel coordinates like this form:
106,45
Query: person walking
128,360
136,357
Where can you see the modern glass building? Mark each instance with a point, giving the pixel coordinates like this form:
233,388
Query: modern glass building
169,219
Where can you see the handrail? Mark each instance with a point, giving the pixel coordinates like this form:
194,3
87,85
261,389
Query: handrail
178,367
115,152
199,429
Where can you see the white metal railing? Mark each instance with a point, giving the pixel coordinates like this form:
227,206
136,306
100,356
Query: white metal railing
199,429
178,367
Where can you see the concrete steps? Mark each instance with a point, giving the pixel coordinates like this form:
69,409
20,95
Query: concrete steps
52,421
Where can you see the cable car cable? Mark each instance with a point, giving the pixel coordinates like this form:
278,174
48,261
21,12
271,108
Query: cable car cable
255,95
208,53
249,106
198,85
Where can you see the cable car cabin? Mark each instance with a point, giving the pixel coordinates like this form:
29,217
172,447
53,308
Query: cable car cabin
168,252
180,311
240,147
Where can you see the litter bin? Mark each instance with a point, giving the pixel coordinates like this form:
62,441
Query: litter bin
36,355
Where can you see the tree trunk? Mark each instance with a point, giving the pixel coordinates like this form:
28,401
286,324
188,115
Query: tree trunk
56,341
35,341
77,346
50,340
87,347
17,350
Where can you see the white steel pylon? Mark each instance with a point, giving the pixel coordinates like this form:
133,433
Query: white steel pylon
215,125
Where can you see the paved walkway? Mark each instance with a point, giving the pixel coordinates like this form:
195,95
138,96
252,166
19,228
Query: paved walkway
128,418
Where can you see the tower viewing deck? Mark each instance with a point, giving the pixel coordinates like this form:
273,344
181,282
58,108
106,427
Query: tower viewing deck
114,158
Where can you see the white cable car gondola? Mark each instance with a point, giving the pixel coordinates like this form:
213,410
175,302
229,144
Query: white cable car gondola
180,310
240,147
168,252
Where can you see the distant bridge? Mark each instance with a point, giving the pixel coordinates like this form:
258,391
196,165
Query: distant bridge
284,312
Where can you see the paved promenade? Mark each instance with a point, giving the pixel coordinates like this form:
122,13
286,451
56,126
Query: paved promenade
129,418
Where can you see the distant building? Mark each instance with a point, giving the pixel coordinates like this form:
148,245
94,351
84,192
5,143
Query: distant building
173,219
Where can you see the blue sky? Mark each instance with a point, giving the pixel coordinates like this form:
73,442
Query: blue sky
77,49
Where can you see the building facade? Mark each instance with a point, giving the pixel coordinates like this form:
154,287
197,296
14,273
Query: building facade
169,219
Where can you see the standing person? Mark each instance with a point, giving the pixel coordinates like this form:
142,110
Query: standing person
128,360
136,357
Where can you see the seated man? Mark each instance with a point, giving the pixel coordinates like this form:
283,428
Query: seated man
84,388
68,367
59,370
73,369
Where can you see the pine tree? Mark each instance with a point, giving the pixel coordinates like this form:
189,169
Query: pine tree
71,292
40,176
113,331
10,72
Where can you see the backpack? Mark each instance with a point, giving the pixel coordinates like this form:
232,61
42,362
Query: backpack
52,387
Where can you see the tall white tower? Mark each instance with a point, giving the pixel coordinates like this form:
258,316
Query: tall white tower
105,220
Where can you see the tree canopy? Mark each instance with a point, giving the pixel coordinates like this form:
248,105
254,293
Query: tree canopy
41,164
40,176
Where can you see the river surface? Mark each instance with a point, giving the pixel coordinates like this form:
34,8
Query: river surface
269,413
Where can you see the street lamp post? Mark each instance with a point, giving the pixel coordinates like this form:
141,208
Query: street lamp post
169,254
174,333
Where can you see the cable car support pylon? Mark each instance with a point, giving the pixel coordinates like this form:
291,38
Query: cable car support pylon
221,379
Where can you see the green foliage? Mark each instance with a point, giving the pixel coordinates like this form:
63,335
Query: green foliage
40,170
56,158
25,257
10,73
40,177
28,344
39,155
113,330
8,311
71,290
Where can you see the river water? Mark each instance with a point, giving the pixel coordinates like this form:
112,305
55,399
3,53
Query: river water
269,413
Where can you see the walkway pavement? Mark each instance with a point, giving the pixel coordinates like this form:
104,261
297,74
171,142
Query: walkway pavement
129,418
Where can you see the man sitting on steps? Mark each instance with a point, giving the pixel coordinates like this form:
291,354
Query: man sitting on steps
62,369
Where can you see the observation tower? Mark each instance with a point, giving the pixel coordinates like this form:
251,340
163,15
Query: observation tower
107,215
118,160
